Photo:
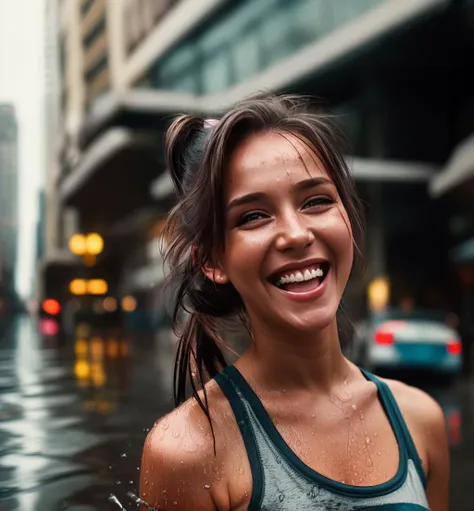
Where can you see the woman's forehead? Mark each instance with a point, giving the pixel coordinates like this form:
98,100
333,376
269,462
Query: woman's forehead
274,155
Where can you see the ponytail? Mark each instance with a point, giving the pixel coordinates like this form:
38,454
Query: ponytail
197,303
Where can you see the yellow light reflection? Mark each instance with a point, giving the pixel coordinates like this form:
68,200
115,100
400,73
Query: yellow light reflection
97,348
97,287
81,348
77,244
124,349
129,304
112,348
98,374
78,287
82,369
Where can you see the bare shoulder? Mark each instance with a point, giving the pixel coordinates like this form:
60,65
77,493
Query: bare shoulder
179,463
416,405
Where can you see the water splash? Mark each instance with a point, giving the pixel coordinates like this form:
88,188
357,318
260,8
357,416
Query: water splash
115,500
140,501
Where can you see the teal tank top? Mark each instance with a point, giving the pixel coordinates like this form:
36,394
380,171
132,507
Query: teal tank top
283,482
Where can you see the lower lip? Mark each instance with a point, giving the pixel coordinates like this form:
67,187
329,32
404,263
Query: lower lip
304,296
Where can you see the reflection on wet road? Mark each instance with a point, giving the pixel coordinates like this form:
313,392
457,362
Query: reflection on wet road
74,415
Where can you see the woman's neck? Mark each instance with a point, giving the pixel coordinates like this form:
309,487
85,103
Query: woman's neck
295,360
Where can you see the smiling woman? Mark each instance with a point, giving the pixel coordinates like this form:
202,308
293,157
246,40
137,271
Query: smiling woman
266,229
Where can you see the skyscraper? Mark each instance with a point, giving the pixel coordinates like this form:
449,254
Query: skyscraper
8,196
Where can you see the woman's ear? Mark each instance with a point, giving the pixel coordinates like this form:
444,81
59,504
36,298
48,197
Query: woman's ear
216,275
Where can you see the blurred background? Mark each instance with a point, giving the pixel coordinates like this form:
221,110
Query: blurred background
87,90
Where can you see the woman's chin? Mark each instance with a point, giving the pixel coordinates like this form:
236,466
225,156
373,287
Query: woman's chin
311,321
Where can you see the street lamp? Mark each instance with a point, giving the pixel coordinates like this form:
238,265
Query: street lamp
89,246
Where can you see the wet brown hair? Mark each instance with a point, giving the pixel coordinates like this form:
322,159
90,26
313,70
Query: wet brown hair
197,152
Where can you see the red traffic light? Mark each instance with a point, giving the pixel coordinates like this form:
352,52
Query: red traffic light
51,307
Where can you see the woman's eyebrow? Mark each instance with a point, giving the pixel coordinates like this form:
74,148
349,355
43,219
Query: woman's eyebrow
256,196
245,199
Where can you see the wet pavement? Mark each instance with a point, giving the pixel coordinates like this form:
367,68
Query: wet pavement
74,414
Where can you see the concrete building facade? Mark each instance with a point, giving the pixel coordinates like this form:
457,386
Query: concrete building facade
395,71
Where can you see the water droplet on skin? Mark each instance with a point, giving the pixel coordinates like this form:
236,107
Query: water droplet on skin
369,463
379,453
354,406
361,415
367,440
298,443
313,415
175,503
175,434
118,483
130,482
207,486
376,434
164,492
110,467
189,447
241,470
123,455
165,425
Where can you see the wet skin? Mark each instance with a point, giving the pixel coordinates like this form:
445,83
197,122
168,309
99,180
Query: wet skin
282,208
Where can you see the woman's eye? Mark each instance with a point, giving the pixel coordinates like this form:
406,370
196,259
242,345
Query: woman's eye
317,201
251,217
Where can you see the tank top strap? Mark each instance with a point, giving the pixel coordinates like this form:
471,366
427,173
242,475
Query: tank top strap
237,402
398,422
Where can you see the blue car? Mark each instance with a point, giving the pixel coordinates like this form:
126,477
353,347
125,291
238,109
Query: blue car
415,340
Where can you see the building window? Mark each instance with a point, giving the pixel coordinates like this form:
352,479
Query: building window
95,33
246,38
86,6
141,16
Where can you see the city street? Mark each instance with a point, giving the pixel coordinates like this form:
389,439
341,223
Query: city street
74,414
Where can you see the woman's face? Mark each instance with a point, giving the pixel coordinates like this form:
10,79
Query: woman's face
288,246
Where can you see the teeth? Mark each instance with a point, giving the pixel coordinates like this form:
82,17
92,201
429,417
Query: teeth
300,277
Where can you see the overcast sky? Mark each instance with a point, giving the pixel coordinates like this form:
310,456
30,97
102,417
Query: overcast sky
22,83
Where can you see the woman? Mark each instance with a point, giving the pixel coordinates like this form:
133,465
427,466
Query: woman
265,229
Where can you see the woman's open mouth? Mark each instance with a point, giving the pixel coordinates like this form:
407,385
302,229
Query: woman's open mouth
303,281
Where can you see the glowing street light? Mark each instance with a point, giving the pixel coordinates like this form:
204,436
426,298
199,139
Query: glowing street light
379,294
94,244
77,244
87,245
78,287
97,287
129,304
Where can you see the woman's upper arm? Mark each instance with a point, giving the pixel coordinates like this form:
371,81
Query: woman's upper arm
425,420
438,458
171,477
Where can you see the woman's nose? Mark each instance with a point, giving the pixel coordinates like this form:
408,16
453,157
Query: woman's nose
294,233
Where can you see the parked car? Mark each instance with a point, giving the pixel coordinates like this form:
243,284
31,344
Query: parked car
414,340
